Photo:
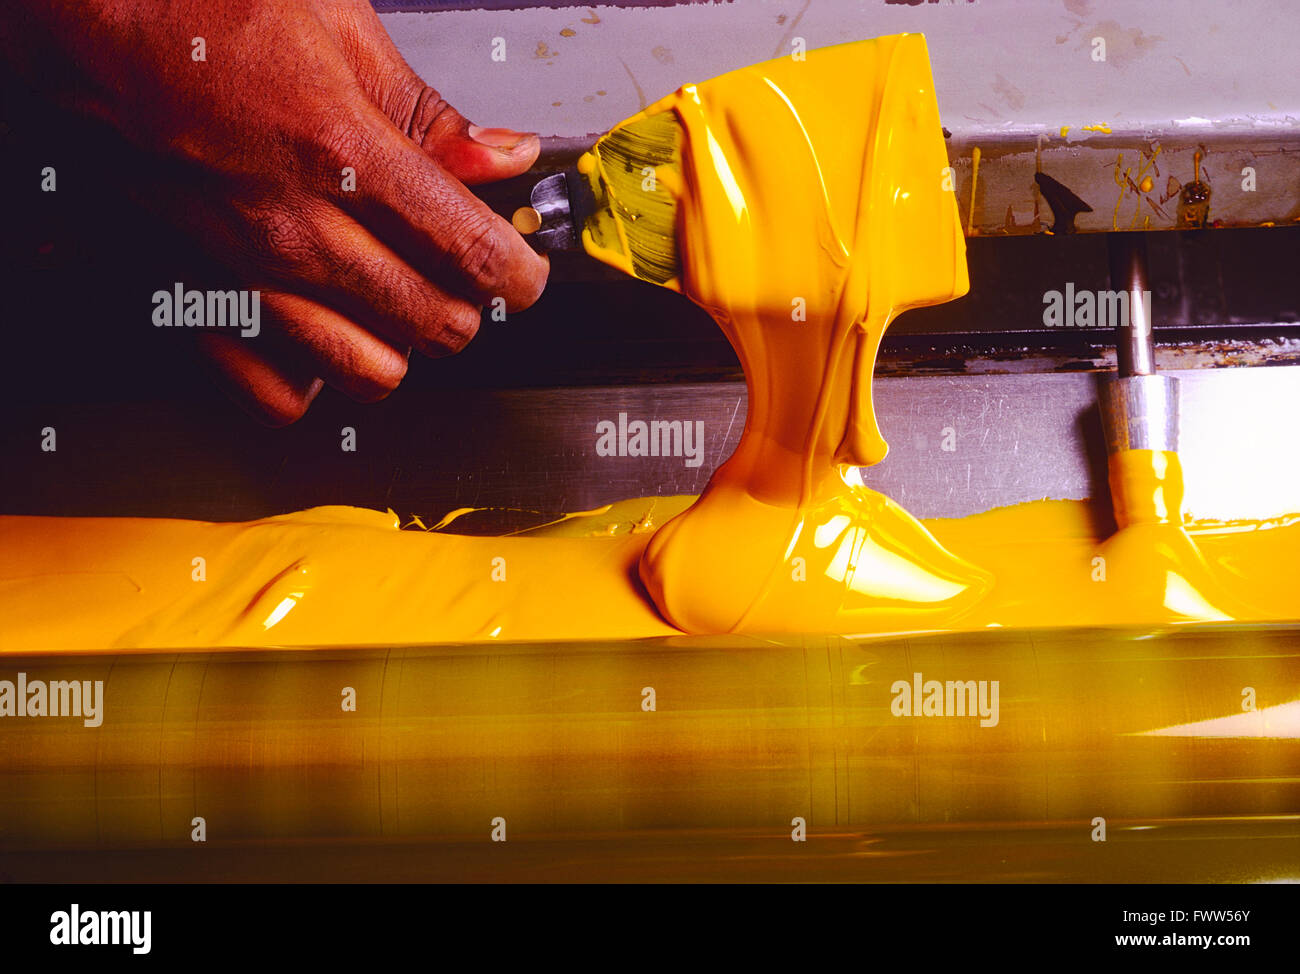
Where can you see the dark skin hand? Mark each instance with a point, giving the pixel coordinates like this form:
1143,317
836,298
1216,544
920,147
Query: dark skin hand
246,153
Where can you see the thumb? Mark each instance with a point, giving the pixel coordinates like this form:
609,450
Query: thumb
471,153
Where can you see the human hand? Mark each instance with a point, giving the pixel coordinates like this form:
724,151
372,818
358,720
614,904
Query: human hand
248,152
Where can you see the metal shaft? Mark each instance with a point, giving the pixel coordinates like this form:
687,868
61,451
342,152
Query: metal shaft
1139,408
1128,274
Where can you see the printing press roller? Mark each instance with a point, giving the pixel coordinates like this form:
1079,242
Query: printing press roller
746,736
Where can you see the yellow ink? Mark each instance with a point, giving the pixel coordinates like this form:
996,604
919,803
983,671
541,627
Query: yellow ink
1121,180
1146,182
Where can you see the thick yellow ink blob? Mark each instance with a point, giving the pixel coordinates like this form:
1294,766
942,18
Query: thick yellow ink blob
811,209
783,206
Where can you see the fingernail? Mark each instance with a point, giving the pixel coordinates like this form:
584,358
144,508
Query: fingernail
504,139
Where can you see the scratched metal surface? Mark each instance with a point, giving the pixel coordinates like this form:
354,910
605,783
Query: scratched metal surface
958,444
1012,438
1186,77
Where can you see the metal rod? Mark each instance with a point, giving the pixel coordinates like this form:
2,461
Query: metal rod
1134,348
1139,408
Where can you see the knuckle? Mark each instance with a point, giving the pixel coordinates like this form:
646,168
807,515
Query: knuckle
460,327
527,298
364,371
341,141
283,408
429,115
456,326
275,232
481,254
378,389
376,374
338,138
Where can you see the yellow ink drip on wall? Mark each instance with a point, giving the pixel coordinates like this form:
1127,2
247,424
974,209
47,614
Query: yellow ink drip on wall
778,198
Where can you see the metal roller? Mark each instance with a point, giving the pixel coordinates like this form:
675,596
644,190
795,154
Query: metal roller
745,736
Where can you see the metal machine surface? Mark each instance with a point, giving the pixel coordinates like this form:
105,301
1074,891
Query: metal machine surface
1085,91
